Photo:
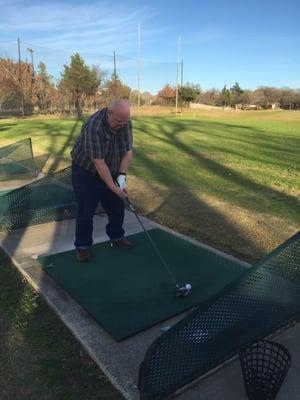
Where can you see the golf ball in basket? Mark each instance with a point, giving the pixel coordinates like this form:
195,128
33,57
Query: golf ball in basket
188,286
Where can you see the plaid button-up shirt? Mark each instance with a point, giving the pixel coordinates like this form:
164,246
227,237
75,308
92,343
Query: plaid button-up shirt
98,140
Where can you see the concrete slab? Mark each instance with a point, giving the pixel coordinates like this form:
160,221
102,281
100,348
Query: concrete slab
120,361
57,237
18,183
226,383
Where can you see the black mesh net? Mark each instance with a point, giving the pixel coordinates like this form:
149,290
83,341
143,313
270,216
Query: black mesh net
17,161
262,300
47,199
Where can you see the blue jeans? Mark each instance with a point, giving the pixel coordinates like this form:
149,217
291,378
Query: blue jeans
89,191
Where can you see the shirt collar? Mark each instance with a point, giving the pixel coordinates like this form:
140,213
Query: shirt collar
106,126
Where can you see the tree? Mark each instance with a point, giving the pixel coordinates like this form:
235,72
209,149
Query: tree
266,96
146,98
9,81
167,95
236,94
100,73
78,80
209,97
43,86
116,89
16,84
134,98
290,99
188,93
259,98
246,98
225,97
271,94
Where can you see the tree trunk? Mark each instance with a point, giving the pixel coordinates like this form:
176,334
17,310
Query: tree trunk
78,106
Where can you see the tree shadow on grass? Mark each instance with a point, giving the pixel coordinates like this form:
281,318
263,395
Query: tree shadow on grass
271,197
183,208
53,147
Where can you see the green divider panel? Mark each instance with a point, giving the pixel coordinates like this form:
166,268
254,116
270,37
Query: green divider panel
262,300
17,161
47,199
3,192
129,291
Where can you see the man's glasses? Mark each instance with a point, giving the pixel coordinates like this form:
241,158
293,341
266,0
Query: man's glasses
116,120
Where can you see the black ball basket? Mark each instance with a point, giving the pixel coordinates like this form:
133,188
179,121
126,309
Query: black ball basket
264,365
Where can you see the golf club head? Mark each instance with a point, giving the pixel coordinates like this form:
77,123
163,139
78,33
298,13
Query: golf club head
183,291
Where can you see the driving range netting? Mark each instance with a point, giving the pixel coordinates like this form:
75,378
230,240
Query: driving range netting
265,298
17,161
48,199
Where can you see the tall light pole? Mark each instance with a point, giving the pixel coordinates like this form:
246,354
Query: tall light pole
20,79
181,83
115,78
32,65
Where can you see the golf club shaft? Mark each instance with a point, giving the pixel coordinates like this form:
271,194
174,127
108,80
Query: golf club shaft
152,243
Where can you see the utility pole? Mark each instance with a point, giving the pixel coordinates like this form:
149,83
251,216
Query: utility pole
20,79
32,65
139,67
115,77
181,73
181,84
177,75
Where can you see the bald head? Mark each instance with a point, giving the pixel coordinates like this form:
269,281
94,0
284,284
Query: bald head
118,113
121,108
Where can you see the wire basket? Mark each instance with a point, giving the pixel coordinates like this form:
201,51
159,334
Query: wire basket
264,365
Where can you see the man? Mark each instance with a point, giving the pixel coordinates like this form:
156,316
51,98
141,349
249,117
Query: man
100,160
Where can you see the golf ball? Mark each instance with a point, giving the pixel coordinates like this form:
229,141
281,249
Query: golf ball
188,286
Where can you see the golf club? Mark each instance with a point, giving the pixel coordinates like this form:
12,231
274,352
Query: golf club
181,291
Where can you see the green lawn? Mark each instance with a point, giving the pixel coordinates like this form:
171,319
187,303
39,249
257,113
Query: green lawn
39,358
230,179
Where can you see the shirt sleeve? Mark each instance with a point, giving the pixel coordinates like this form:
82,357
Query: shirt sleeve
129,137
94,141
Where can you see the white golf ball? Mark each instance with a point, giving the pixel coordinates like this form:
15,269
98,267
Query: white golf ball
188,286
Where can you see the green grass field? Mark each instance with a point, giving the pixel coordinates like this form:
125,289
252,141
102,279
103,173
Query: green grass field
39,358
229,178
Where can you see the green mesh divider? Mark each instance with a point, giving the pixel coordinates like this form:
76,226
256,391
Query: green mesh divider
48,199
17,161
263,299
3,192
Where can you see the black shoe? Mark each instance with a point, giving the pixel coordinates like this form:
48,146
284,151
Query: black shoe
123,244
82,255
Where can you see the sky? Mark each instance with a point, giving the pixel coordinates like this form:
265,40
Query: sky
255,43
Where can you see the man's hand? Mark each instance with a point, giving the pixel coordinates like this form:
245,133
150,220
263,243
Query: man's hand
119,192
121,181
